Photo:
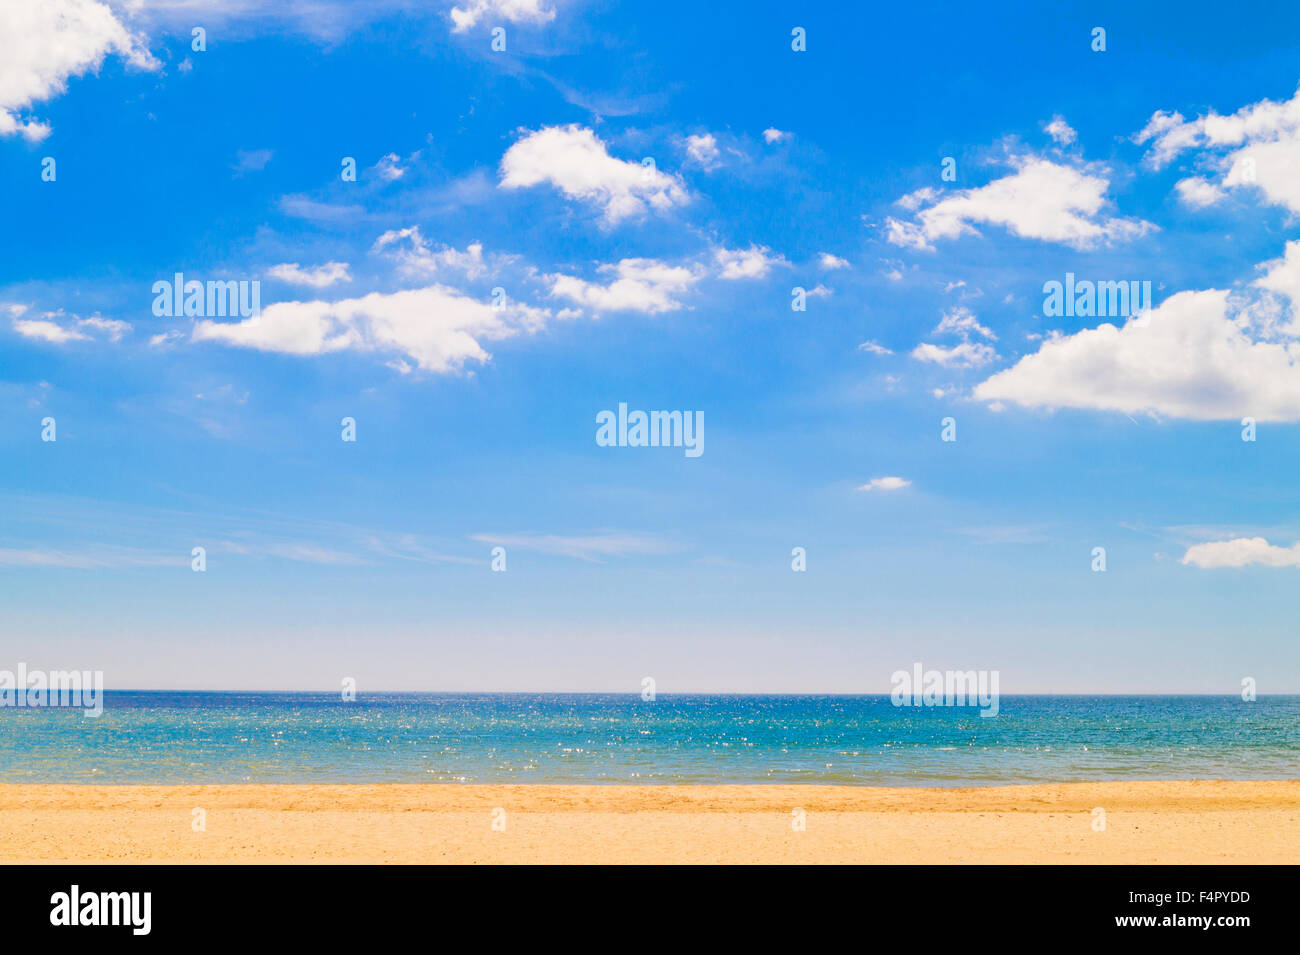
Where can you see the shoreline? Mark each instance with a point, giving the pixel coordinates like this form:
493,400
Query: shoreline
1173,821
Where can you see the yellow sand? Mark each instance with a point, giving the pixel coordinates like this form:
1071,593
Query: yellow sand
1145,822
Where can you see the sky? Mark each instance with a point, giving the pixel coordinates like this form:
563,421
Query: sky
826,232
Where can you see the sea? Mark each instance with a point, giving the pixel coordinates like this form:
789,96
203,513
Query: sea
165,737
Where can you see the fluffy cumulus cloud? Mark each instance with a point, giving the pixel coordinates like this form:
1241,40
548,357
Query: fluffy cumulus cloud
830,262
439,328
318,276
49,41
576,162
751,263
969,352
961,355
1197,192
1259,145
39,329
1241,552
634,285
532,12
414,257
1060,131
1193,356
703,149
1042,200
1282,278
57,328
774,135
962,321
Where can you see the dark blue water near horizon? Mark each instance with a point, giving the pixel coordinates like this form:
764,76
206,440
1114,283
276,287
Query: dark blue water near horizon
205,737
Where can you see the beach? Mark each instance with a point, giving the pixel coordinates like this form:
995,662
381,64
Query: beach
1144,822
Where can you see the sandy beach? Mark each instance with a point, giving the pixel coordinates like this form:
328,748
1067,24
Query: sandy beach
1145,822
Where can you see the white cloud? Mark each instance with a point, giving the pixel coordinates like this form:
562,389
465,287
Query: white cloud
317,276
1187,358
97,557
885,484
439,328
703,149
774,135
534,12
637,285
47,42
1282,277
591,547
388,167
58,329
964,355
752,263
165,338
1040,200
1198,193
414,257
252,160
828,261
1241,552
1060,131
575,161
112,327
1259,145
962,321
874,348
304,207
41,330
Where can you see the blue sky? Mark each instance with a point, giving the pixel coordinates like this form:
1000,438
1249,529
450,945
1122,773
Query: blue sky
1168,157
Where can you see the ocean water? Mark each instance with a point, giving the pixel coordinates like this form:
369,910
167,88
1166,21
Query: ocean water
166,737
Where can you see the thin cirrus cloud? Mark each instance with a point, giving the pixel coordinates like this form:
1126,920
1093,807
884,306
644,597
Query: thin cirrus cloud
575,161
88,559
1043,200
46,44
592,548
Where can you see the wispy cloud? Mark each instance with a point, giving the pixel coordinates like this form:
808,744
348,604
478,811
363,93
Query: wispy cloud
592,547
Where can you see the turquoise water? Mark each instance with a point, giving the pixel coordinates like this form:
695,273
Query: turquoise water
163,737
